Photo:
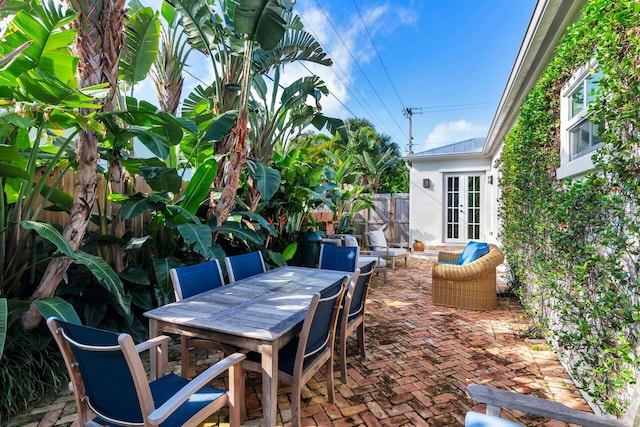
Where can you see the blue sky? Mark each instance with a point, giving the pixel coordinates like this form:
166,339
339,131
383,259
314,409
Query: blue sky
449,60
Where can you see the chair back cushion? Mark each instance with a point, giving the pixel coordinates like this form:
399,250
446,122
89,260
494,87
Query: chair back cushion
472,252
197,278
342,258
245,265
350,240
377,239
360,290
323,317
105,373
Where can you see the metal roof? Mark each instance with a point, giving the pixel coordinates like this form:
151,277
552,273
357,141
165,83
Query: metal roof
473,145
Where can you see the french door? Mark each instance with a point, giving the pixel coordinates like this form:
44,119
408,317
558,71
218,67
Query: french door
463,197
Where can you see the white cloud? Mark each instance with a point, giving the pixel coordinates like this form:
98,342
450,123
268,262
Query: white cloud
449,132
346,44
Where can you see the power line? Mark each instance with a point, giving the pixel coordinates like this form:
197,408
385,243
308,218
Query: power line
371,111
358,64
330,92
378,53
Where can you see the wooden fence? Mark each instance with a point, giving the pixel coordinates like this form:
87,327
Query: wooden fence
135,184
391,210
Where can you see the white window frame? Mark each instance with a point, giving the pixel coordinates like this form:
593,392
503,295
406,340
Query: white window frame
581,163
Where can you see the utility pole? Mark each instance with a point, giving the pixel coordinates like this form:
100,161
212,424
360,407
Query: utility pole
409,112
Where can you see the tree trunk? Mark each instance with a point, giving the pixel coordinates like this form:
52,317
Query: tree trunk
236,162
98,29
113,18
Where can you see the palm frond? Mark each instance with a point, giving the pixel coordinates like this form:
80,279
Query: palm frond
296,45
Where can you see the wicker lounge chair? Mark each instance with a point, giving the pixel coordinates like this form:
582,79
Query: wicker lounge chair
471,286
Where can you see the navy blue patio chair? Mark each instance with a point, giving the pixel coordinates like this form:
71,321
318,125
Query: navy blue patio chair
194,279
313,348
497,399
342,258
352,319
110,382
245,265
188,281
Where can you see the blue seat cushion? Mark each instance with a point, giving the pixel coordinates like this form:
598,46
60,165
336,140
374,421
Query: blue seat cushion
286,357
164,388
476,419
472,252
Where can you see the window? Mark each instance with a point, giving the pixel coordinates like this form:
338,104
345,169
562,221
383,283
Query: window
579,135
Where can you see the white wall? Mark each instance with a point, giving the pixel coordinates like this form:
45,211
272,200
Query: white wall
426,205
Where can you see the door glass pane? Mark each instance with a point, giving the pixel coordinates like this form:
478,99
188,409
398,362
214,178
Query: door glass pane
453,207
473,207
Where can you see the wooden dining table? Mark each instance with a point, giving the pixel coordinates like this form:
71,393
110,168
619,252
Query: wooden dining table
260,313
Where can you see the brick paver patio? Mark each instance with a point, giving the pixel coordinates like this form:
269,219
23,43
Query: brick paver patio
420,359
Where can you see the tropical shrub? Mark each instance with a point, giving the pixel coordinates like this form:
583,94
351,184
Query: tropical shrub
573,244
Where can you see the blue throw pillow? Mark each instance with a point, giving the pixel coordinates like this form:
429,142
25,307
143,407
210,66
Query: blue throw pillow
472,252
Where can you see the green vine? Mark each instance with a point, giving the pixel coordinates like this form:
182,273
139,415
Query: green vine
574,245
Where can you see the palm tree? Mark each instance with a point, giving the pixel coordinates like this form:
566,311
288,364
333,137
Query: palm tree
269,37
100,36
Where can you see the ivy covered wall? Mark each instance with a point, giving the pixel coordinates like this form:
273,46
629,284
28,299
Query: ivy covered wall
574,245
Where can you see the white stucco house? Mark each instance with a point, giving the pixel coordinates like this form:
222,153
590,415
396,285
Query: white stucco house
453,189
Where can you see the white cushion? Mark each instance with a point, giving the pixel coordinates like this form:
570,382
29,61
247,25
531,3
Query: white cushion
377,240
390,252
350,240
364,260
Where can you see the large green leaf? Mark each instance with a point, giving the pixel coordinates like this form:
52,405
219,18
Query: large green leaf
58,197
4,313
198,23
180,215
142,38
135,206
199,186
290,251
94,314
297,92
96,265
161,267
259,219
296,45
235,230
57,307
162,179
133,164
220,126
262,20
267,179
50,37
198,236
106,277
47,231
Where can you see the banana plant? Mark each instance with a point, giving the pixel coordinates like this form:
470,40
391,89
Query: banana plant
39,118
249,43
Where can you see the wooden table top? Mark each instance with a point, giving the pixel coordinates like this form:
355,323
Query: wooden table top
263,307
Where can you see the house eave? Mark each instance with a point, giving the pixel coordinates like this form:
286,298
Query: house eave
548,23
451,156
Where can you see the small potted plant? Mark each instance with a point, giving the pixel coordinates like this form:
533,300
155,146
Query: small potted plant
418,246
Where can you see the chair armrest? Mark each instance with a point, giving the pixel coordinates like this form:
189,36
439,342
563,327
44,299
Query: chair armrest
153,342
160,414
497,399
448,256
161,345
